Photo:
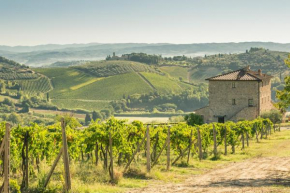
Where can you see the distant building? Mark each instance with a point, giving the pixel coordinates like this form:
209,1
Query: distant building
241,94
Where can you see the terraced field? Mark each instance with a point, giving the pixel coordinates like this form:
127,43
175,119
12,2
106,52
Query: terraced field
65,79
34,86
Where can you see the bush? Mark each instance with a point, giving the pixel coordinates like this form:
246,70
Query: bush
274,115
194,119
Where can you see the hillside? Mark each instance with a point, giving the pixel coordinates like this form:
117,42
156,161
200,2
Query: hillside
96,85
48,54
200,68
17,78
172,84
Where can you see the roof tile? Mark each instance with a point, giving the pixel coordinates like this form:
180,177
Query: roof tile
241,74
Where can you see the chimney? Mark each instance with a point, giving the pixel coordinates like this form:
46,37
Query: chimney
260,72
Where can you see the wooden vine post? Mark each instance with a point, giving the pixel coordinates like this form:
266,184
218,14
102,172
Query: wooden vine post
53,167
111,169
168,149
226,149
214,141
6,187
243,141
199,144
63,152
247,135
65,157
190,144
26,161
148,149
97,153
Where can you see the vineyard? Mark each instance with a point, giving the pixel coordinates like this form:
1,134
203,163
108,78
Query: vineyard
111,68
32,87
117,144
14,75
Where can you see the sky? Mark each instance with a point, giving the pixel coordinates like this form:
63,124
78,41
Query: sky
35,22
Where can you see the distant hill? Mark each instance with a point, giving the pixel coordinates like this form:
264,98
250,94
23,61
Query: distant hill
48,54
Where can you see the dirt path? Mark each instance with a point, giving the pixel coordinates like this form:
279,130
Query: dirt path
255,175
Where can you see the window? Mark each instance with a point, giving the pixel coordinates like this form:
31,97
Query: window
251,102
233,85
233,101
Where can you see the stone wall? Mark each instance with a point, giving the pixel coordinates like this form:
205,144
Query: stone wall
248,113
265,96
222,93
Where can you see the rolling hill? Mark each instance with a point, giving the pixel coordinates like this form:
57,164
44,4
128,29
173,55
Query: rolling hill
48,54
16,77
172,84
95,85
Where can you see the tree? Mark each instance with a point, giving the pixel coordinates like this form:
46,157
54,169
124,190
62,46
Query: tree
8,102
107,112
47,97
274,115
193,119
14,118
88,119
284,95
96,115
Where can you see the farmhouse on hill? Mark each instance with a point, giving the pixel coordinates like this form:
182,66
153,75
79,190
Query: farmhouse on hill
241,94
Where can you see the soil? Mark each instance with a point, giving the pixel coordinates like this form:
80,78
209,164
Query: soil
263,175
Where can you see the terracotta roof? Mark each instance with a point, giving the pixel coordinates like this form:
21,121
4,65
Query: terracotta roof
242,74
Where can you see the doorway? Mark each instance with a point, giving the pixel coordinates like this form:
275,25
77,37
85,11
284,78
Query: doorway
221,119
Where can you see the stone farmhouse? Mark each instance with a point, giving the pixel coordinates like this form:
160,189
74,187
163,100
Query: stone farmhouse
241,94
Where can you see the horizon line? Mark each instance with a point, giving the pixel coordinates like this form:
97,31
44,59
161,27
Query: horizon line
63,44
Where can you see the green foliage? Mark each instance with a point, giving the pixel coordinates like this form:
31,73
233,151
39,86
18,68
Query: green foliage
96,115
283,95
45,141
193,119
274,115
88,119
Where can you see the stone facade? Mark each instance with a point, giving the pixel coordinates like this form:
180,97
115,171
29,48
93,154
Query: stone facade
242,94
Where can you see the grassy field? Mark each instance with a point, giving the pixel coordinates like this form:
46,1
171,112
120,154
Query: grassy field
176,72
162,83
90,105
109,88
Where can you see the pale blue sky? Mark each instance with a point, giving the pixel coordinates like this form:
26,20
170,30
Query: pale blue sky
32,22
